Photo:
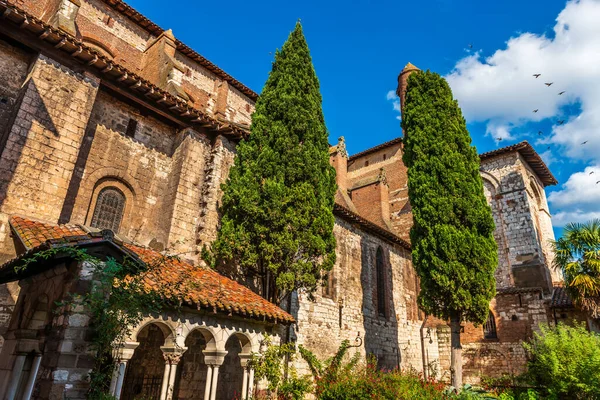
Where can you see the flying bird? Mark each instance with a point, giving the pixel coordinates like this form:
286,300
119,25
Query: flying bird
584,142
537,75
548,84
562,121
597,182
540,133
561,93
499,139
536,110
591,172
470,45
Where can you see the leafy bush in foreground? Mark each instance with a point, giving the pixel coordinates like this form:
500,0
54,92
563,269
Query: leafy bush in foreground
565,361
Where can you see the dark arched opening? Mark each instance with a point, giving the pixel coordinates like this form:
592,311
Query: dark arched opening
231,374
145,370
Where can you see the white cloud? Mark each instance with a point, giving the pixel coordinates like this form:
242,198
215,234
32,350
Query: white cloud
393,97
501,90
577,201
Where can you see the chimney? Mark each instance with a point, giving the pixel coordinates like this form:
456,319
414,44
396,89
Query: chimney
338,158
403,83
64,19
161,68
221,103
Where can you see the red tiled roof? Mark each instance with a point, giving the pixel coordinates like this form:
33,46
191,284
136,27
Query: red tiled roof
369,226
531,156
561,298
34,233
524,148
197,286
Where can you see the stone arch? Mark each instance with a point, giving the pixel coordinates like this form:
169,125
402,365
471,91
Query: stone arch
490,187
486,176
536,193
246,342
190,381
100,46
90,183
231,373
104,178
167,330
209,337
145,370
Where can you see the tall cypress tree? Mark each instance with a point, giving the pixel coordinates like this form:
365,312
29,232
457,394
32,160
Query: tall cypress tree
277,208
454,251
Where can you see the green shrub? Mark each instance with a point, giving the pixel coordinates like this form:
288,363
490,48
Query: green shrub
565,362
372,384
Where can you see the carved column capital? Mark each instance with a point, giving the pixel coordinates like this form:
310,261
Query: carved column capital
173,355
214,357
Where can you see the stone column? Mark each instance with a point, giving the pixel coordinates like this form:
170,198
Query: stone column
165,381
174,360
124,354
121,368
213,359
209,373
245,385
251,383
32,375
172,357
15,376
244,358
215,380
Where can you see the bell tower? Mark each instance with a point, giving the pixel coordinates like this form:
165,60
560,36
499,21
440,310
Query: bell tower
403,83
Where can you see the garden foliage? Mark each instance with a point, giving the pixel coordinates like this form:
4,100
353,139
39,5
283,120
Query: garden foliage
565,363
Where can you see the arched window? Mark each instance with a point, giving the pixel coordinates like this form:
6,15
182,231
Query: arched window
109,209
489,328
380,276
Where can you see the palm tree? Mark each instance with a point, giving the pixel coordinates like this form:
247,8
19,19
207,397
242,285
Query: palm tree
578,256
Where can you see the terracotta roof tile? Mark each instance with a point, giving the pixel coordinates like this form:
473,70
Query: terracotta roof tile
197,286
561,298
34,233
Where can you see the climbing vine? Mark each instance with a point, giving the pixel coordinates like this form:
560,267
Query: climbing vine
116,300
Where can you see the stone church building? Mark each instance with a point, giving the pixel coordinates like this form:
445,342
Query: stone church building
115,137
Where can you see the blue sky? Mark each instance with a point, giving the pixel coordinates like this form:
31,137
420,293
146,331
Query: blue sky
359,47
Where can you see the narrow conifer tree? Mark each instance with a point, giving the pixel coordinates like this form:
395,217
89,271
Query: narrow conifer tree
454,251
277,208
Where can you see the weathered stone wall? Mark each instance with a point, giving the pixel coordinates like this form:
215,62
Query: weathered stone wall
67,359
350,305
14,62
519,235
42,146
140,166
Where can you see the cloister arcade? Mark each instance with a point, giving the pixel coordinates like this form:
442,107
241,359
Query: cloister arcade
200,357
